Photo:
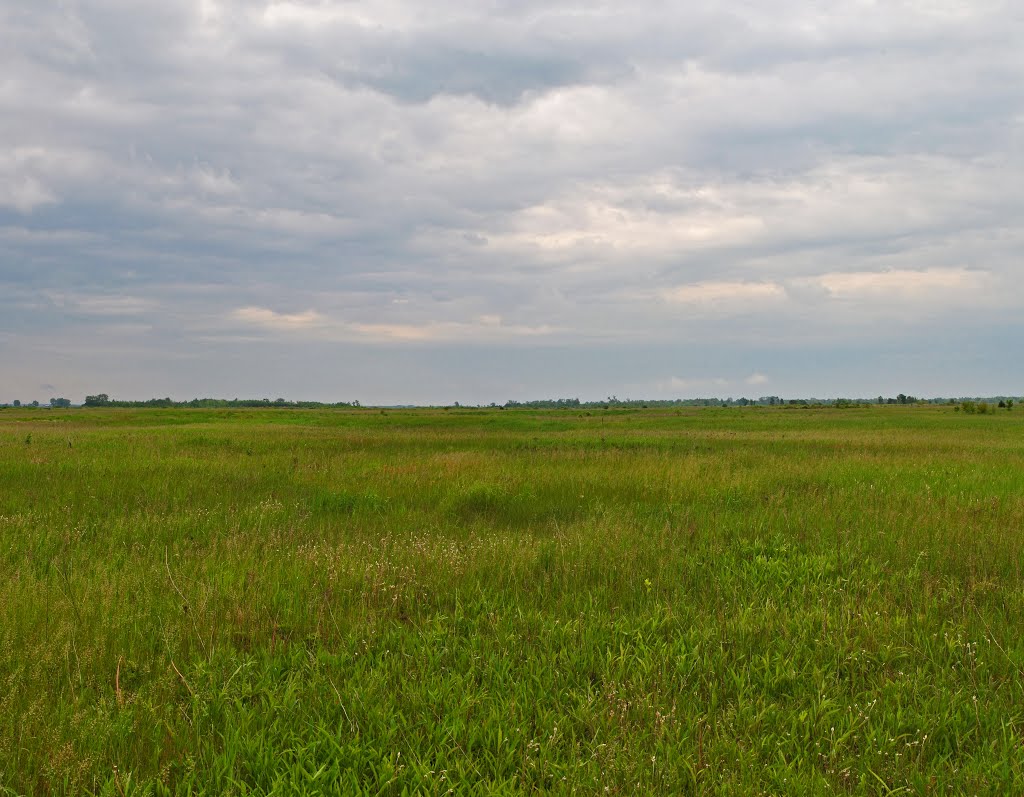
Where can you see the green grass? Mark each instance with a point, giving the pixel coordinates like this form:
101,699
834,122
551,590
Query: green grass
353,602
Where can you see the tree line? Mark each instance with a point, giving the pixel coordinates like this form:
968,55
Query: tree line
901,399
970,406
103,400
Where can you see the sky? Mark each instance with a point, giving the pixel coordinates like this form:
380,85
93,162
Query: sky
404,202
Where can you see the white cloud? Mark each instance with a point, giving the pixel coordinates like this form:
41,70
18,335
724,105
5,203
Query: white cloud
215,181
114,305
483,329
24,194
724,292
269,319
709,384
31,176
317,326
898,283
676,383
314,14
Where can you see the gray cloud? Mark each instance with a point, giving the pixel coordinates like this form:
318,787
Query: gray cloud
181,180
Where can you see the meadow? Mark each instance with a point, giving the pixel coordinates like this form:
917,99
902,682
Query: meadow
696,601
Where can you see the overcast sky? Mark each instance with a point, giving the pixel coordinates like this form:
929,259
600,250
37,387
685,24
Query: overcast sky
399,201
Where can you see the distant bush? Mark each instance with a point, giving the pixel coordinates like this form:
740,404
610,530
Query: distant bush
498,504
481,499
345,503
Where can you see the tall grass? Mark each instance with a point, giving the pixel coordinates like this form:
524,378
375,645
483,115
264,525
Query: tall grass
692,602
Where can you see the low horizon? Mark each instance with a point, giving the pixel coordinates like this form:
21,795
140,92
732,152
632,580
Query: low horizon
526,403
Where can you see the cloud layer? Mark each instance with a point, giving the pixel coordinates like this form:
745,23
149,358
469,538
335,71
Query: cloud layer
600,197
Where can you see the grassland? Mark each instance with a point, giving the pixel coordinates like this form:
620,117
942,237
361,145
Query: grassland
363,602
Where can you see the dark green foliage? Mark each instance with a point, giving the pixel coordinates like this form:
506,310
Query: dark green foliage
341,502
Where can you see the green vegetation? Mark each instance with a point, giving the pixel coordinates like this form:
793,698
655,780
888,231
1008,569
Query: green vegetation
677,601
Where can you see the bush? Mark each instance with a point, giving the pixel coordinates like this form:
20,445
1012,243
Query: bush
481,499
345,503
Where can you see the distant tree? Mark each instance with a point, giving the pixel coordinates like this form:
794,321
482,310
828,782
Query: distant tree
17,403
1009,404
35,403
60,402
99,400
1002,404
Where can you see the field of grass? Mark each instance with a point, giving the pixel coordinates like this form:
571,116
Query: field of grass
743,602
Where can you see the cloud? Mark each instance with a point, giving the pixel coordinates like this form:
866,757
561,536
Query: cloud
269,319
28,175
316,326
510,176
682,385
484,328
108,305
709,385
898,283
724,292
25,194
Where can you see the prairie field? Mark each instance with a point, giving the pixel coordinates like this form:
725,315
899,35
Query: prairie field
695,601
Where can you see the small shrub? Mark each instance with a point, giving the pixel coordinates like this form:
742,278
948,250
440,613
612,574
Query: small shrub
480,499
345,503
500,505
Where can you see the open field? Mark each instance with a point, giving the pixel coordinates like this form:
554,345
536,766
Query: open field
681,602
